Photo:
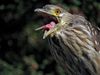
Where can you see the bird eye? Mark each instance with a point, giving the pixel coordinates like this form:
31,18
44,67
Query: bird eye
57,11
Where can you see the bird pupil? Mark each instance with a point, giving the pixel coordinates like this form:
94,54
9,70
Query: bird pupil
57,11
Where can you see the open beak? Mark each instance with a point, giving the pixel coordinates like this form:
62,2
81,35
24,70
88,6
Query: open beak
46,32
51,30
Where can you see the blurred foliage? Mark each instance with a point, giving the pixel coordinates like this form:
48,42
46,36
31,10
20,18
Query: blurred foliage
22,49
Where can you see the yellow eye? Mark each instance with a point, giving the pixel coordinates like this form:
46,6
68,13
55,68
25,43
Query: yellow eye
57,12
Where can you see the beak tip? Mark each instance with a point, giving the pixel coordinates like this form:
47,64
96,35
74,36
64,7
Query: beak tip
43,37
37,10
37,29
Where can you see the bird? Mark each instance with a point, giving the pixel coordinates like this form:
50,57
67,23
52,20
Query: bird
73,40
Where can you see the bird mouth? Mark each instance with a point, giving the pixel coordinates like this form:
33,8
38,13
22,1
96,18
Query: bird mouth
49,26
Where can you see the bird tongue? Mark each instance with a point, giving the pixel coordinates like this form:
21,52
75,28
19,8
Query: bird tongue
47,26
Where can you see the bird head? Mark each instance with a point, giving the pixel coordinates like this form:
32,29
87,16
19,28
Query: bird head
58,16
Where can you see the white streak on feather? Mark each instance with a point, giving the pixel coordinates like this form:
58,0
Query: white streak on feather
96,42
95,32
89,42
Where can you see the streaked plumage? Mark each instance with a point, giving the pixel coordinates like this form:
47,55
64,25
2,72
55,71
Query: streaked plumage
74,43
